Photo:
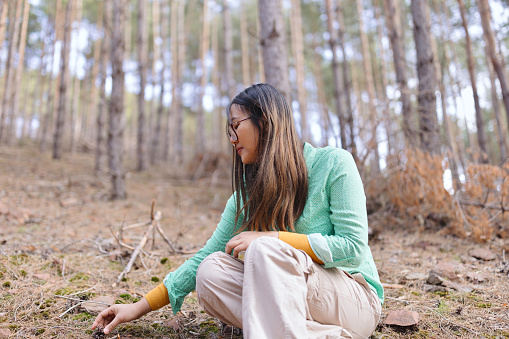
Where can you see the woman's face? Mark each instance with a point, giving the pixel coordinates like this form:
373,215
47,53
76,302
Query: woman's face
247,135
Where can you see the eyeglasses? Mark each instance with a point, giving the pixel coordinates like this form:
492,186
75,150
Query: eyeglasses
231,127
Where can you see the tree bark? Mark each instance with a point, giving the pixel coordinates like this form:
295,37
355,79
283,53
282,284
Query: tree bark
484,10
40,85
4,8
261,69
244,45
370,87
179,112
75,106
9,69
392,18
141,147
496,111
11,135
347,84
60,121
338,89
156,56
481,137
101,61
273,42
428,121
228,59
298,57
116,109
204,47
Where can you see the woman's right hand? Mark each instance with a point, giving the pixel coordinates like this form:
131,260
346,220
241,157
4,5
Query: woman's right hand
120,313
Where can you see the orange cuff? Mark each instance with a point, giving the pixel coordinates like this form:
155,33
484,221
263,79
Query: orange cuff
300,242
158,297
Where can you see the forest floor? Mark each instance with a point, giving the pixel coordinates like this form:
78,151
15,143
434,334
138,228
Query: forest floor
57,250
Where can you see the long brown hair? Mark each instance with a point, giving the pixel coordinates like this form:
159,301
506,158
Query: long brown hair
271,192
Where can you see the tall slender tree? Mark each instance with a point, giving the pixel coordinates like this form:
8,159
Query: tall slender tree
60,119
75,106
370,86
481,137
141,147
393,22
19,74
273,42
298,57
244,45
338,88
204,46
116,107
13,35
484,10
428,121
346,81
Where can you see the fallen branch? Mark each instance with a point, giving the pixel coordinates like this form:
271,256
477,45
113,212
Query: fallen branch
155,218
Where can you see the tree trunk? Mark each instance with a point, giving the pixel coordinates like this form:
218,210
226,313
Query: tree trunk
4,8
116,109
261,69
346,82
179,112
11,135
75,106
141,149
101,61
428,121
204,46
244,45
298,57
368,76
59,33
156,56
481,137
383,79
46,118
496,111
484,10
37,99
228,59
60,121
338,90
91,104
392,17
171,118
9,69
322,102
273,42
156,141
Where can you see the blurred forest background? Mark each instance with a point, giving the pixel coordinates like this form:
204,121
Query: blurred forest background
416,90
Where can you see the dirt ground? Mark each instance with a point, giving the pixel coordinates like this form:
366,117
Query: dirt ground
58,249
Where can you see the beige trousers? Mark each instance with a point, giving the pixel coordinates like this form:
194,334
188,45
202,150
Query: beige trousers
279,292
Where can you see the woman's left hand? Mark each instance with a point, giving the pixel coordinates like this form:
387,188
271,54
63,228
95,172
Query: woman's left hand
241,241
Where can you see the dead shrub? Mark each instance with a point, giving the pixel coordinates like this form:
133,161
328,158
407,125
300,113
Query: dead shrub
412,194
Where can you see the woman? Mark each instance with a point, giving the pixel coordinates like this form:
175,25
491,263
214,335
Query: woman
299,213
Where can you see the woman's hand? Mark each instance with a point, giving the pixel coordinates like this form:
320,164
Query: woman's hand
241,241
121,313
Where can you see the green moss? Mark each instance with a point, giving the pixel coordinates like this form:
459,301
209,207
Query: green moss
416,293
443,307
164,260
39,331
23,273
83,317
6,284
483,305
155,279
65,291
19,259
441,293
80,276
125,296
13,327
209,326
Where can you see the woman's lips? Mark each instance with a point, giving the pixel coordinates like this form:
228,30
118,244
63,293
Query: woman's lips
239,149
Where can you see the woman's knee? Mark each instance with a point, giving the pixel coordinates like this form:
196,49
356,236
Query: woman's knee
212,272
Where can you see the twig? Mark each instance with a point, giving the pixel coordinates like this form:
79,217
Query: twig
88,289
70,309
142,243
120,243
140,224
168,241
